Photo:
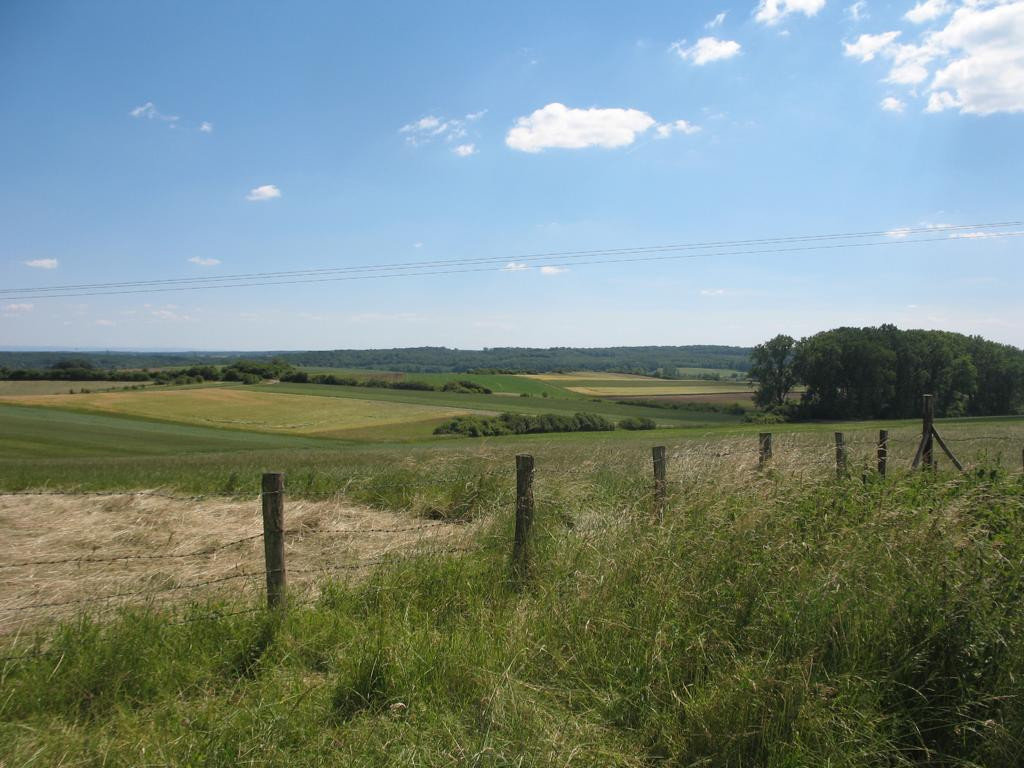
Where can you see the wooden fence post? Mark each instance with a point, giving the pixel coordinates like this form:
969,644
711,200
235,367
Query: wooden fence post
764,453
273,537
524,512
883,450
840,454
927,431
660,483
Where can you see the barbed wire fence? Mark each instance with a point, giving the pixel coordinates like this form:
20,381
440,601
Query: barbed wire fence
248,569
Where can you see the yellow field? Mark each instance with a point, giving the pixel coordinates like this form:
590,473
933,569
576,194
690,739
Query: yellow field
249,409
587,376
680,388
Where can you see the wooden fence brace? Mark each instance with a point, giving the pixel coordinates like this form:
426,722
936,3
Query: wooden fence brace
524,512
840,454
273,537
883,451
928,430
764,453
925,450
658,453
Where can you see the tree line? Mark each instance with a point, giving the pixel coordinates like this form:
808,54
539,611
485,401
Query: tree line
646,360
881,373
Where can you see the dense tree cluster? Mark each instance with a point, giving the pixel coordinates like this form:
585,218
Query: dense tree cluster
861,373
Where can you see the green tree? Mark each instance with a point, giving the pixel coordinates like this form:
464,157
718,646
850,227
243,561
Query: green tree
772,367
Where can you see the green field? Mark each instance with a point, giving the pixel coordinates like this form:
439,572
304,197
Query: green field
781,617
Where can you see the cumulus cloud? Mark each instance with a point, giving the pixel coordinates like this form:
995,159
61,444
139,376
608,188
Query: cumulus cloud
206,127
892,104
866,47
432,127
773,11
717,21
712,292
558,126
665,130
265,192
553,270
42,263
515,266
929,10
10,310
465,150
204,262
978,56
706,50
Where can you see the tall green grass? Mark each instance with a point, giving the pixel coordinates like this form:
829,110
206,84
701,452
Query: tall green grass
775,619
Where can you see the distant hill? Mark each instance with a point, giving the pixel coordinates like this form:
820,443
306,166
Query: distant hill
423,359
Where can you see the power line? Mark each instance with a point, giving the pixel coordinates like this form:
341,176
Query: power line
523,257
426,268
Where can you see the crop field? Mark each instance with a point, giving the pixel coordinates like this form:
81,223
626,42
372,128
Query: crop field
17,388
248,408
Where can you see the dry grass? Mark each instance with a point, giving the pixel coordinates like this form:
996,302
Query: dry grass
325,538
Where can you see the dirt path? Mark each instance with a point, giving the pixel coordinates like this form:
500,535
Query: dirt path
125,549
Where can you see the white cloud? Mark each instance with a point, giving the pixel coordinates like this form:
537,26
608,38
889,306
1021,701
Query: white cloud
204,262
10,310
42,263
940,101
150,112
206,127
898,233
892,104
929,10
773,11
909,63
665,130
985,70
866,47
417,244
553,270
706,50
712,292
515,266
432,127
266,192
979,56
556,125
857,11
465,150
717,21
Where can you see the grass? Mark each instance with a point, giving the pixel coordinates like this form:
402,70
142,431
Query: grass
782,618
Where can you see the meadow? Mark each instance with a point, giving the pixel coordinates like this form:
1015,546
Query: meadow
778,616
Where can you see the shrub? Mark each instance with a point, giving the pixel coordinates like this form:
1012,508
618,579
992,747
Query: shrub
637,422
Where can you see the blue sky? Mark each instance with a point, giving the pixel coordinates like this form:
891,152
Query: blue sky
143,141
